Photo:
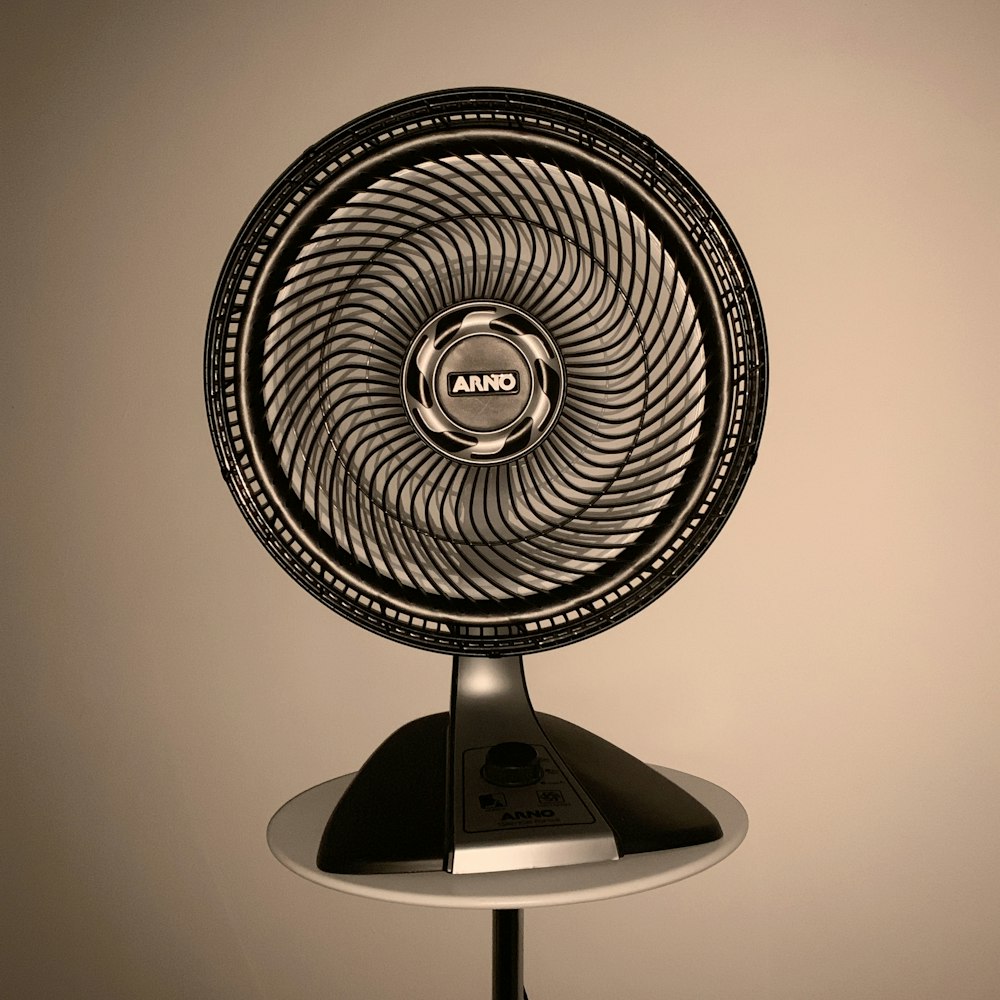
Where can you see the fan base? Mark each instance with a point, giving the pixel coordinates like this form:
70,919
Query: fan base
395,816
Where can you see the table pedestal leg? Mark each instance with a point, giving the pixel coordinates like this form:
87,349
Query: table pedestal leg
508,955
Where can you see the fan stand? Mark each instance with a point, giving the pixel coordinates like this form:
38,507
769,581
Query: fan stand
493,786
441,815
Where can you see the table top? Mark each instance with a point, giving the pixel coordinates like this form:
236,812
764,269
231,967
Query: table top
296,828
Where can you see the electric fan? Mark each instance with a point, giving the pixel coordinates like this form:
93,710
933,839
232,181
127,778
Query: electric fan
486,374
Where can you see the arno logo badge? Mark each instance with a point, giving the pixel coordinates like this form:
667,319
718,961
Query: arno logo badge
482,383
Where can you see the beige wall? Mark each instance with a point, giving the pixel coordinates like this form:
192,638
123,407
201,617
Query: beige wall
831,660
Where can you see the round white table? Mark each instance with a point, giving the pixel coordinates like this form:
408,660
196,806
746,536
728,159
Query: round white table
296,828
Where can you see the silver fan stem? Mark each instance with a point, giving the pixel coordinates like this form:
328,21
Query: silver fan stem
514,802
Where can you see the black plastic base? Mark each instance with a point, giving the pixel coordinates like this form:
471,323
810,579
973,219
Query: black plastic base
394,817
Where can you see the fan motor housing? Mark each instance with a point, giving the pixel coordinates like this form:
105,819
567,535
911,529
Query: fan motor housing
482,382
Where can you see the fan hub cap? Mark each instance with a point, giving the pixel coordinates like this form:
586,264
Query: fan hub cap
483,382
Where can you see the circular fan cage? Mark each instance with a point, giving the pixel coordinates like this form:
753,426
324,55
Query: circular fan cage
613,284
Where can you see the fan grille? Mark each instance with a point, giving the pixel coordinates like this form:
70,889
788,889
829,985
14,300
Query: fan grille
574,221
456,230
